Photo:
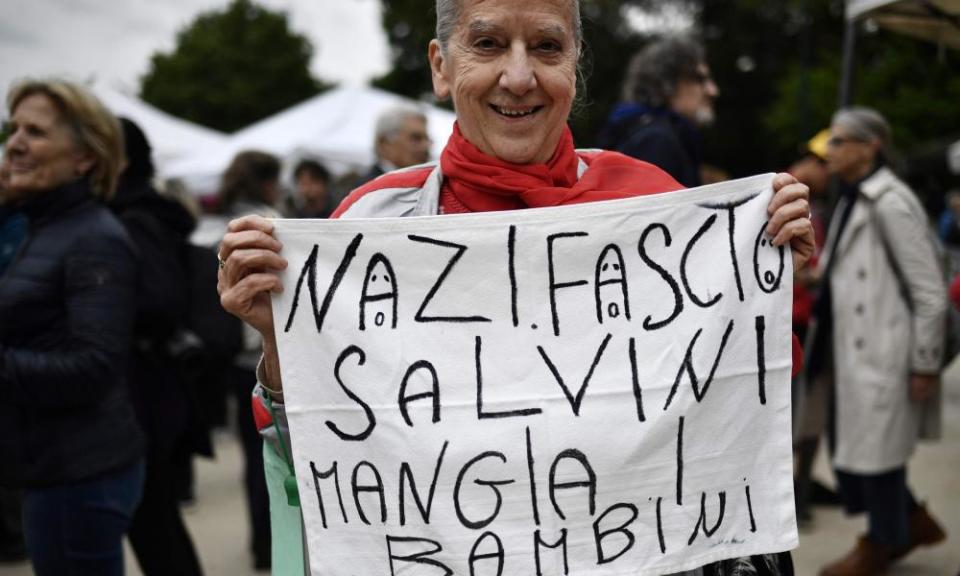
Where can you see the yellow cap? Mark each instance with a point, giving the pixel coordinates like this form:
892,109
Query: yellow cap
818,144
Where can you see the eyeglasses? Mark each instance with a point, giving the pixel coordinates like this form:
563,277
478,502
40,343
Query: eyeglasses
841,140
701,77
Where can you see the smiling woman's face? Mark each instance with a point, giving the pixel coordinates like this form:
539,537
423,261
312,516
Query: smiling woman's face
41,151
510,68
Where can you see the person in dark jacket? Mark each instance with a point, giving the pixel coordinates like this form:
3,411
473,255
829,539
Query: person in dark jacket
159,227
13,224
313,197
668,97
13,231
67,304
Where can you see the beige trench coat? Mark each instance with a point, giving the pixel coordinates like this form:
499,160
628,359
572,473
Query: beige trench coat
880,339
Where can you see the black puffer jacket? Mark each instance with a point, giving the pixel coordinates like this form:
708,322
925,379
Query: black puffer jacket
159,228
66,314
658,136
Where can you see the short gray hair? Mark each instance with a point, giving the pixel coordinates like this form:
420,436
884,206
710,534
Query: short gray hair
864,124
390,121
448,14
655,71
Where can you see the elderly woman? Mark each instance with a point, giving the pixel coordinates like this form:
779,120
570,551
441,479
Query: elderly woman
511,70
71,438
880,333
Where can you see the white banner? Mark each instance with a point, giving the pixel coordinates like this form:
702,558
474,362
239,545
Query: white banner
592,389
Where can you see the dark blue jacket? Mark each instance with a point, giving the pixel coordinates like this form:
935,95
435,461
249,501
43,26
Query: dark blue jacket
13,229
658,136
66,314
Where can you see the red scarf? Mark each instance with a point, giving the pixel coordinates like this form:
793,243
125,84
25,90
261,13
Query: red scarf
477,182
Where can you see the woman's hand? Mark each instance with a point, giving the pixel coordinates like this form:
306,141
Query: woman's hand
789,212
250,258
923,387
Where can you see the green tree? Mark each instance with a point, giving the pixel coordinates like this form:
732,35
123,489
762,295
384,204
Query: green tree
913,83
231,68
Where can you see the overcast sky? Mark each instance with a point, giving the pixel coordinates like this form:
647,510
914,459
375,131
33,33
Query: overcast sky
112,40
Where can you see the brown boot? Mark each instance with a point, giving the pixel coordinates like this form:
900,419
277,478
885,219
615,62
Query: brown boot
924,531
866,559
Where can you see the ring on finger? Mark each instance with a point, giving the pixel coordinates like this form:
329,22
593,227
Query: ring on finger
221,264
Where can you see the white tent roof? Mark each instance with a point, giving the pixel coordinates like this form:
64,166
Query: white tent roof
933,20
336,127
171,138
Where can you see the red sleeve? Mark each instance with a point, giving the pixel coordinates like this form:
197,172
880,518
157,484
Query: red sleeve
797,356
261,416
413,178
955,291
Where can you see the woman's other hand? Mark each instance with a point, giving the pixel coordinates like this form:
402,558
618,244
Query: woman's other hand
790,222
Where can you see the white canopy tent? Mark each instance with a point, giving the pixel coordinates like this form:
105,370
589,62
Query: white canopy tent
171,138
336,127
932,20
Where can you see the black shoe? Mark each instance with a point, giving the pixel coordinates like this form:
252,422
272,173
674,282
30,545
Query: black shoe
821,495
13,552
261,563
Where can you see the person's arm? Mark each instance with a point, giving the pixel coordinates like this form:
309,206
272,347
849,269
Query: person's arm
98,290
249,261
917,261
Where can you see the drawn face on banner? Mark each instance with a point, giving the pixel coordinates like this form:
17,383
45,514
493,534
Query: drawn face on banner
511,70
379,299
610,285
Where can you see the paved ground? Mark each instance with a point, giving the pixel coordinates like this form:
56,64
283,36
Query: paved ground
219,525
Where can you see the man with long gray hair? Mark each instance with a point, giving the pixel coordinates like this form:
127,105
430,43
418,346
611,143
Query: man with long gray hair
667,97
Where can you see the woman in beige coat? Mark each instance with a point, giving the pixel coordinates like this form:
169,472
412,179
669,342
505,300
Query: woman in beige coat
883,305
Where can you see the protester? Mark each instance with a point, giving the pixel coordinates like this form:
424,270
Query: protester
948,225
13,224
13,231
400,140
67,305
879,340
251,185
811,170
159,228
668,97
313,195
511,71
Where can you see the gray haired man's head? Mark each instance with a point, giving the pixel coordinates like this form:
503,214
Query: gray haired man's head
864,124
401,137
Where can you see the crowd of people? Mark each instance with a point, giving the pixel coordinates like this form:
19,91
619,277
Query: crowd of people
116,360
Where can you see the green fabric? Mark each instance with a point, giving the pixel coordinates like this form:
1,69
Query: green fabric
286,531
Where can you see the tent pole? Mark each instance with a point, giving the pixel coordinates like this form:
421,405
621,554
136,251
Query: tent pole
846,78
